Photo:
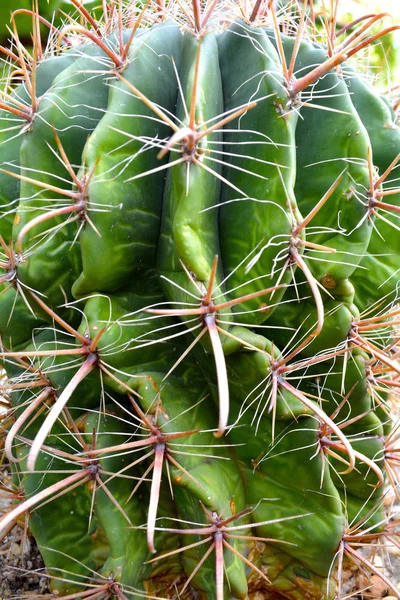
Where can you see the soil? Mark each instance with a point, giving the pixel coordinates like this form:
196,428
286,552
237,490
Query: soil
21,568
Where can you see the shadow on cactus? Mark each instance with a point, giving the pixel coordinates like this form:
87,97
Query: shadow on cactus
199,301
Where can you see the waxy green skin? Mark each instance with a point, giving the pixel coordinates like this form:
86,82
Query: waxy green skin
187,233
268,461
283,470
13,129
16,319
262,209
185,406
348,377
73,106
119,530
292,578
301,317
125,243
189,230
55,536
331,144
381,260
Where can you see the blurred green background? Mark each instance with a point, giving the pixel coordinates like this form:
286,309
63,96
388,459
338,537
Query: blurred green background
48,9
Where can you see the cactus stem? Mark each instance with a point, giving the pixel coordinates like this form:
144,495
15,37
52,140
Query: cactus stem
78,207
323,418
84,340
103,486
77,478
88,366
314,211
40,399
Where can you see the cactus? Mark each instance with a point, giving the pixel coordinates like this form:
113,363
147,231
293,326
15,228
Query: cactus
198,306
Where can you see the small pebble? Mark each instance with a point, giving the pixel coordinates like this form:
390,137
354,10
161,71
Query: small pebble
15,549
394,550
378,588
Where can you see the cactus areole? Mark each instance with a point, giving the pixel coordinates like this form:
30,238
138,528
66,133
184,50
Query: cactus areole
200,266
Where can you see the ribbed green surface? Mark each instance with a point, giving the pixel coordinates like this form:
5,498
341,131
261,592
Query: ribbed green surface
145,238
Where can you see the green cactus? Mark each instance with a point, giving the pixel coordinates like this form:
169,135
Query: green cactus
198,302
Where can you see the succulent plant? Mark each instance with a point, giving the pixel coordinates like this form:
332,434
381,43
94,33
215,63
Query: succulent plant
198,305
